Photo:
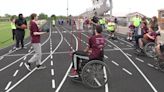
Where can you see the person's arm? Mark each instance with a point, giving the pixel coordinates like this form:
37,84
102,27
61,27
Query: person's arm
16,24
87,49
150,37
25,22
91,21
35,30
39,33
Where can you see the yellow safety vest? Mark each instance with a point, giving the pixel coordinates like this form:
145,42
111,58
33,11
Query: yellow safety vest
13,25
100,21
111,26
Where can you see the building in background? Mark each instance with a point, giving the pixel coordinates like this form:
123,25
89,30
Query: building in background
161,18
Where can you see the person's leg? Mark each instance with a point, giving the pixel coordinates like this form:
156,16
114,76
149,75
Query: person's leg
77,56
80,55
17,38
35,56
157,50
141,43
13,33
39,51
22,38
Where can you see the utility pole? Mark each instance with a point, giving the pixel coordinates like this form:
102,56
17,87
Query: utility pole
67,8
111,7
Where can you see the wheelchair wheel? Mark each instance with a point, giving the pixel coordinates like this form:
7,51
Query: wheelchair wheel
95,74
149,49
159,63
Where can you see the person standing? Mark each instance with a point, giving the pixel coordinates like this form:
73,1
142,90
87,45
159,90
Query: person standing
13,27
35,40
94,22
21,25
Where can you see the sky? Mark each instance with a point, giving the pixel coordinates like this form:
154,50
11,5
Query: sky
76,7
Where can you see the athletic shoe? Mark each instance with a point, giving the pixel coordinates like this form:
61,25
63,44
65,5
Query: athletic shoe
73,73
28,66
40,67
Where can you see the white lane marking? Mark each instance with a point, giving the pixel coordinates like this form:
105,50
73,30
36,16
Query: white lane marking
121,43
105,75
115,49
21,64
139,60
17,83
1,57
52,63
51,56
53,83
16,72
128,45
10,51
109,45
150,65
143,75
29,50
34,53
62,82
13,51
67,41
129,54
115,41
122,39
8,85
105,56
115,63
24,58
126,71
52,72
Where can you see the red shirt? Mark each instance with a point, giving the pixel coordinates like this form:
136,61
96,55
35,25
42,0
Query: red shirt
34,28
96,44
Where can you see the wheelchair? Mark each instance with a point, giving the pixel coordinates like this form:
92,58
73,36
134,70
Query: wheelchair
159,63
148,50
93,73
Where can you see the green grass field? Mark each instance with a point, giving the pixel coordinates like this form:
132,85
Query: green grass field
6,34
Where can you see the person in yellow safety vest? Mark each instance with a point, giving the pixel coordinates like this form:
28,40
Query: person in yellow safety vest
111,26
13,27
102,22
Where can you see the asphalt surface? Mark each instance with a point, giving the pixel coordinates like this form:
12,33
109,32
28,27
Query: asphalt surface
128,72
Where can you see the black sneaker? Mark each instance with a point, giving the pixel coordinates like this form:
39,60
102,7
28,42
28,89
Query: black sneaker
28,66
39,67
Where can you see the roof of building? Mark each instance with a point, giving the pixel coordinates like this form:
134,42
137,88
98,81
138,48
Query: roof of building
135,13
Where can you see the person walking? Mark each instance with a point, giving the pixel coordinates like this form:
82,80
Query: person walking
21,25
35,40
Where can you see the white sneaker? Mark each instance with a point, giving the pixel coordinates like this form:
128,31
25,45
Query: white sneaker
27,65
40,67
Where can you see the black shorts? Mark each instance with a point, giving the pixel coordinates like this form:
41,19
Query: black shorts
162,48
